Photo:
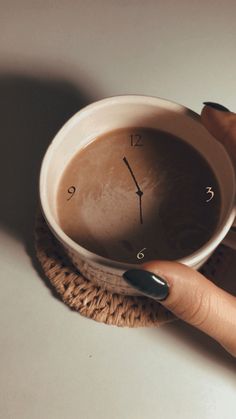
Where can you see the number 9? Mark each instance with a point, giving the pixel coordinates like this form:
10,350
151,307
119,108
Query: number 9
71,190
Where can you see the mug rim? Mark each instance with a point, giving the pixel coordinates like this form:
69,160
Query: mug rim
190,260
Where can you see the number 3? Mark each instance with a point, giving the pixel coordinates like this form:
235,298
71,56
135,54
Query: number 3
209,190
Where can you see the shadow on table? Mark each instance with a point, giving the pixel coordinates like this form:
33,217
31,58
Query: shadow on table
186,337
32,110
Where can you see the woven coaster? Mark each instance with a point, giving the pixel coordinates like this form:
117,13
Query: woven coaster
82,295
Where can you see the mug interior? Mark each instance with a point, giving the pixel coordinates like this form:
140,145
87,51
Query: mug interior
126,111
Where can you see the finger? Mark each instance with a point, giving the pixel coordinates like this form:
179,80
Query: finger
222,125
190,296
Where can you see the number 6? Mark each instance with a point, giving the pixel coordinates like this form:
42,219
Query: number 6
141,255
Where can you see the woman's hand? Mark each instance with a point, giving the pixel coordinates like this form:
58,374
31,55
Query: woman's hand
185,291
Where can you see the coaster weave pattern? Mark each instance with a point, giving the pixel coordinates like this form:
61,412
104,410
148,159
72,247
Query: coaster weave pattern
82,295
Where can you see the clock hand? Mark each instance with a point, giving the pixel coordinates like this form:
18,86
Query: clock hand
138,192
140,209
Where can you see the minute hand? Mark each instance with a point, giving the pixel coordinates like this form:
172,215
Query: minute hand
131,172
139,192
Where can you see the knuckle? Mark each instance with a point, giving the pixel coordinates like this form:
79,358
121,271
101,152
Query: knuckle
195,310
229,133
200,312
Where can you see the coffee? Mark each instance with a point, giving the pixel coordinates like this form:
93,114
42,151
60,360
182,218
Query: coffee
137,194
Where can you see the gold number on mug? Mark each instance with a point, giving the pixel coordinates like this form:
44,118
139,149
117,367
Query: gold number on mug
71,191
140,254
210,191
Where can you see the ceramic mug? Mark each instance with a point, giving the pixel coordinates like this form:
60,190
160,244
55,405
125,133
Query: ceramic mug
120,112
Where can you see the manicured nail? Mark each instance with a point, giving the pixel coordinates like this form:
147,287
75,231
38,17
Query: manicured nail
148,283
217,106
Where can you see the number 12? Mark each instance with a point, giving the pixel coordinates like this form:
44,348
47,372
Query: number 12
137,138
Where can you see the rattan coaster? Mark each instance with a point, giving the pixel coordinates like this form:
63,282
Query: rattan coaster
82,295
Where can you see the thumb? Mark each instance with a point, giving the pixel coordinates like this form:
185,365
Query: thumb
221,123
190,296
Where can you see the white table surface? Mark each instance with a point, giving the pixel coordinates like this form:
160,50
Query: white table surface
56,56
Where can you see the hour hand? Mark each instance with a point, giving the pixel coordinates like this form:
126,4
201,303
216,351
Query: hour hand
140,193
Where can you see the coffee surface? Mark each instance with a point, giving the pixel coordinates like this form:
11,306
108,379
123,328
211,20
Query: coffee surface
137,194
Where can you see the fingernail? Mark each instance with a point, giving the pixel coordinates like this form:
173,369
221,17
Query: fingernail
217,106
148,283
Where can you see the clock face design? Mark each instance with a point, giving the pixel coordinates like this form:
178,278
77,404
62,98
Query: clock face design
137,194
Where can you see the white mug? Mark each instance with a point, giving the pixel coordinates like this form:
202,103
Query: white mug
120,112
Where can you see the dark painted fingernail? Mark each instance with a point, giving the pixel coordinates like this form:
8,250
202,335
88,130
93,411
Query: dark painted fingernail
148,283
217,106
